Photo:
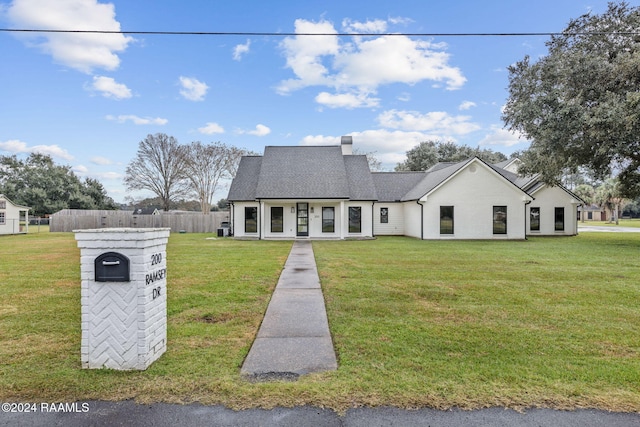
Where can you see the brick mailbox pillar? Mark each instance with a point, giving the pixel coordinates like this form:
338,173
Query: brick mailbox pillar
123,296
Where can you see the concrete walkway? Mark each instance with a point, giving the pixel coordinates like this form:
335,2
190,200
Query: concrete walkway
294,337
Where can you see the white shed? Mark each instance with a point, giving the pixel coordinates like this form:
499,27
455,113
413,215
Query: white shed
14,219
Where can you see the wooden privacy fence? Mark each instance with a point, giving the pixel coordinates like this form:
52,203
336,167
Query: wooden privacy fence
68,220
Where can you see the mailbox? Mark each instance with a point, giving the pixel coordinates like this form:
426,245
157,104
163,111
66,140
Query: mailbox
112,267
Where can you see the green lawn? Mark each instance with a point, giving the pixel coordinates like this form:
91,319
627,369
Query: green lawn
546,322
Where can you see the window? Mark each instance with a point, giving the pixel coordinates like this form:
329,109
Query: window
499,220
3,204
559,219
2,218
355,222
328,220
384,215
277,219
251,219
534,219
446,219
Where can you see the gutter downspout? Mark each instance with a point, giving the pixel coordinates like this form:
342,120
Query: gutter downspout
578,220
373,225
525,218
421,219
232,218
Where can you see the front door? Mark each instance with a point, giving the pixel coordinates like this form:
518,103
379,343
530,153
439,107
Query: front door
303,219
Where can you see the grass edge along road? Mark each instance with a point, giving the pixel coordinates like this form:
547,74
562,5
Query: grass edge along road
547,322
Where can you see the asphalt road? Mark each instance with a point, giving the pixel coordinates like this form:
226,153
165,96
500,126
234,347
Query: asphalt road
128,413
608,229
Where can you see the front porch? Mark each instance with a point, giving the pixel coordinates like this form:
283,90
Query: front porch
302,219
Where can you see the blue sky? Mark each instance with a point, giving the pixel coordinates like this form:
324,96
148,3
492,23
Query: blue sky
88,100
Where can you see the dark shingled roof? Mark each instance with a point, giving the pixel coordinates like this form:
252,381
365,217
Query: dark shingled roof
432,179
323,172
312,172
361,186
392,186
243,186
302,172
519,181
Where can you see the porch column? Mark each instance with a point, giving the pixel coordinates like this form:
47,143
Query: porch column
342,220
261,220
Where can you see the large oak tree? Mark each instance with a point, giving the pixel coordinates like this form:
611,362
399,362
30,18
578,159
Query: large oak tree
580,104
428,153
44,186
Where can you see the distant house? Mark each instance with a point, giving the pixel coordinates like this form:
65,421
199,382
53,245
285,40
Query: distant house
14,219
327,192
592,212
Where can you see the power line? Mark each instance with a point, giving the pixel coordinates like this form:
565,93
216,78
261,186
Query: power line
275,34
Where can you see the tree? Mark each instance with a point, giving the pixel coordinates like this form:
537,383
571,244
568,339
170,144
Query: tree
420,158
222,205
39,183
609,196
97,195
208,165
428,153
580,105
160,167
632,209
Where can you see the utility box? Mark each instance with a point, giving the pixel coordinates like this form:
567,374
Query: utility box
123,297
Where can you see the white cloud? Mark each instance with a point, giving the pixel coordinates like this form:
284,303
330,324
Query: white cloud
110,88
240,50
395,59
102,161
211,128
346,100
83,52
375,26
304,55
404,97
14,146
193,89
390,147
436,121
17,146
400,20
136,120
501,137
320,140
260,130
466,105
361,64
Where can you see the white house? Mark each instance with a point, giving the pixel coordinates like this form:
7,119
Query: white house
14,219
327,192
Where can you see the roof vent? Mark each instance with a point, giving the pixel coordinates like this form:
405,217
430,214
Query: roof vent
346,142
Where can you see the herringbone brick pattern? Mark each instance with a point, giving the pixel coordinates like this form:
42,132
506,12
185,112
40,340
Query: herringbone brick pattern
113,326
